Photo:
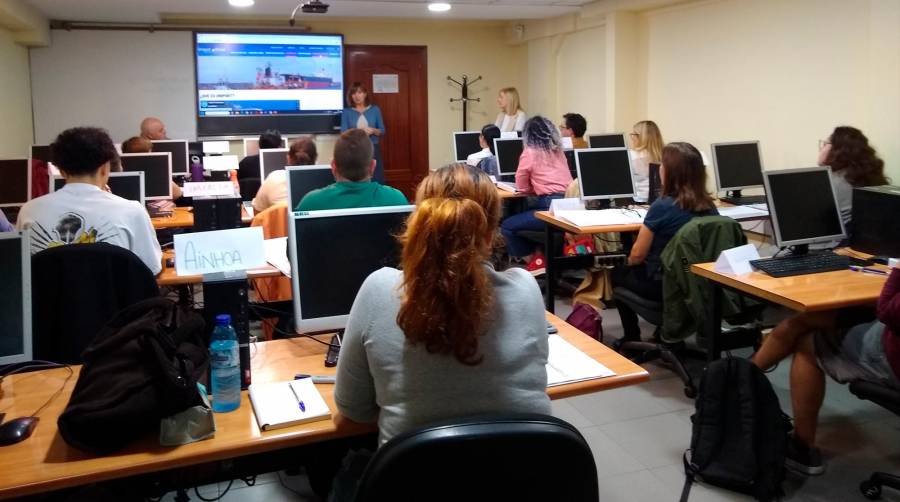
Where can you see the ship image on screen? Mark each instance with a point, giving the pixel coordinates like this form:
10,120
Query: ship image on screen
241,74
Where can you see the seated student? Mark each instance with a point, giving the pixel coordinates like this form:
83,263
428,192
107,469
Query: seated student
683,197
543,173
274,188
139,144
5,225
353,167
153,128
486,159
646,148
854,163
249,165
574,126
462,337
829,342
81,212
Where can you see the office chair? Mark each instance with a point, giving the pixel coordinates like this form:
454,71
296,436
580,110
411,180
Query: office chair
890,399
700,240
76,289
522,457
249,187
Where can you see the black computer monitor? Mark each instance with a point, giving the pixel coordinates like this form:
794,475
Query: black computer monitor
604,173
15,182
612,140
737,165
332,253
157,169
875,228
655,182
508,151
15,298
803,207
570,160
270,160
304,179
179,150
129,186
465,143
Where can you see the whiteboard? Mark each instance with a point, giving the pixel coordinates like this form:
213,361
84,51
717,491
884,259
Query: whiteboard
113,79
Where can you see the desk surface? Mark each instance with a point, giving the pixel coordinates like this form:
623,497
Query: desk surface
168,277
183,217
548,217
45,462
506,194
803,293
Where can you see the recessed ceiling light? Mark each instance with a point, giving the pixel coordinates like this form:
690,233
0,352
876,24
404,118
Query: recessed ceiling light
438,7
240,3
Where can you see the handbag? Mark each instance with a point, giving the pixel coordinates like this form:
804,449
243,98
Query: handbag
588,320
143,366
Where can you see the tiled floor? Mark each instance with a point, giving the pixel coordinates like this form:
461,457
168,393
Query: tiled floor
638,435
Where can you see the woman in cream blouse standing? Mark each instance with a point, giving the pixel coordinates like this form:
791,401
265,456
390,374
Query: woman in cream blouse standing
646,148
511,116
362,114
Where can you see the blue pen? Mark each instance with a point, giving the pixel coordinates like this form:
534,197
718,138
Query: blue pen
299,401
867,270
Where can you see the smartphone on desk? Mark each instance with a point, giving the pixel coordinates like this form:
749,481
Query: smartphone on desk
334,350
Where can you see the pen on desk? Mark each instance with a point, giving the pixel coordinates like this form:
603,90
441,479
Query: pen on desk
867,270
316,378
299,401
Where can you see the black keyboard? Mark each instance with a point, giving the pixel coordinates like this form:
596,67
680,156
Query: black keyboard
745,201
802,264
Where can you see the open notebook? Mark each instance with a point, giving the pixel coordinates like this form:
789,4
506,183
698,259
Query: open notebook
276,405
567,364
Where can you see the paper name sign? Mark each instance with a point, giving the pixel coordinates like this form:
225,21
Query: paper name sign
208,188
566,143
509,135
737,260
220,162
573,204
219,251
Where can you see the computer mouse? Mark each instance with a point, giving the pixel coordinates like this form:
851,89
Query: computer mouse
17,429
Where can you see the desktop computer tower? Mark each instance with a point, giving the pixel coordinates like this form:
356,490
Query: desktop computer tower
875,228
217,213
229,296
228,211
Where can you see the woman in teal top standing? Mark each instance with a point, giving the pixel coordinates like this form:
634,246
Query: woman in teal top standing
362,114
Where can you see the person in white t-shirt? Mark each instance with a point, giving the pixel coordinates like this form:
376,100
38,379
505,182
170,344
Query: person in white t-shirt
81,212
486,159
646,148
511,117
274,189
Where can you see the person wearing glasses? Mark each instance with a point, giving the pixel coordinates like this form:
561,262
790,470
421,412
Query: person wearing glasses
646,148
854,163
574,126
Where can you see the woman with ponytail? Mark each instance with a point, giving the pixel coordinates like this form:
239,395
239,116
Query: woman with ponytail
434,340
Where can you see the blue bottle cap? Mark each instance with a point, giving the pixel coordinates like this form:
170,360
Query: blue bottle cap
223,319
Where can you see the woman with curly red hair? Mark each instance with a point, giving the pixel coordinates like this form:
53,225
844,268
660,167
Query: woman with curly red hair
853,162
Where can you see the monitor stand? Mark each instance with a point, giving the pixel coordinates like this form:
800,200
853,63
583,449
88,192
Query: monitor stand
598,204
735,197
799,250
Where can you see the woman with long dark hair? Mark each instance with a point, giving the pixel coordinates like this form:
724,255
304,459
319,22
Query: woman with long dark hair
853,162
362,114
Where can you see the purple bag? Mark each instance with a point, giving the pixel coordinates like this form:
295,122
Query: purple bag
588,320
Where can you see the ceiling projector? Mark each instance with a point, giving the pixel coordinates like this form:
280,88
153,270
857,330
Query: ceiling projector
310,7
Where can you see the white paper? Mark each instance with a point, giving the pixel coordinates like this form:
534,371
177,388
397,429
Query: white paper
509,187
386,83
219,251
276,254
220,162
509,135
736,260
602,217
275,404
567,364
207,188
571,204
567,143
742,212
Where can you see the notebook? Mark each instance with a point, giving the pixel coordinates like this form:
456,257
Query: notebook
276,405
567,364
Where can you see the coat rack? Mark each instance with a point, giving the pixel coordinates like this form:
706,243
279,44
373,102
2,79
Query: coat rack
464,85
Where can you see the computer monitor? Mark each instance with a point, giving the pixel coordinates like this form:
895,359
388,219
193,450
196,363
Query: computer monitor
875,228
332,253
304,179
15,298
179,150
271,159
604,173
216,148
803,207
251,145
737,165
129,186
655,182
508,151
612,140
157,169
570,160
15,182
465,143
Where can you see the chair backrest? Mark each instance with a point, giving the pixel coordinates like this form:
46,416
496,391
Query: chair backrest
879,394
249,187
492,457
76,289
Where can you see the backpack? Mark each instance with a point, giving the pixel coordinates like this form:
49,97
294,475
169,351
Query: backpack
586,319
143,366
739,434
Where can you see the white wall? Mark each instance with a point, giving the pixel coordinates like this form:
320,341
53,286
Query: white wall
15,98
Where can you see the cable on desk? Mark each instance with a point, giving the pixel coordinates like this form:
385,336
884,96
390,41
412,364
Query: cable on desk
58,391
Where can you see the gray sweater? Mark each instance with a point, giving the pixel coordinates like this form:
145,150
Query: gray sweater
381,376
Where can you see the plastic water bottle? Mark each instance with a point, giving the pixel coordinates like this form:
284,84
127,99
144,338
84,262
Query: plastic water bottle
196,169
226,366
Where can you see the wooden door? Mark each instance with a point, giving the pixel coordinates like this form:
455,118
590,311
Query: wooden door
404,146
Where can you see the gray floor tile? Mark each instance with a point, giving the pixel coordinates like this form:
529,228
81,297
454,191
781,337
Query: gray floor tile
639,486
654,441
617,405
672,477
563,409
611,459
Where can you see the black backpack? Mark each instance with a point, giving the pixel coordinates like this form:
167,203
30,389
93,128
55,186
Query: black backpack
739,432
143,366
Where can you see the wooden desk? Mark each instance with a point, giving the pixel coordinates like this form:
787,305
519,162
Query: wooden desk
168,277
506,194
560,223
183,217
44,462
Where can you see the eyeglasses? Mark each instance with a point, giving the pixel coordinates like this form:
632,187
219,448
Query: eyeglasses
634,134
823,142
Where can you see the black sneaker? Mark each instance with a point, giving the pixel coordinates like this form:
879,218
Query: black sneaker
803,459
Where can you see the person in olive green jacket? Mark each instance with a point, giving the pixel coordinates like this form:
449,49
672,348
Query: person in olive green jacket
352,167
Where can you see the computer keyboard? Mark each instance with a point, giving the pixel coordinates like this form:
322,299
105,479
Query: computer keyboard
745,201
802,264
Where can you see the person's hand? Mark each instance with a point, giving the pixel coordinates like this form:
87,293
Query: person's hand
372,131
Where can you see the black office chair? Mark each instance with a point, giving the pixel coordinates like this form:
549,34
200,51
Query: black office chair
521,457
76,289
249,187
890,399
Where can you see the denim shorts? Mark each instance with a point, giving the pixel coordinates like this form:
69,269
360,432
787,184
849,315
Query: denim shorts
856,354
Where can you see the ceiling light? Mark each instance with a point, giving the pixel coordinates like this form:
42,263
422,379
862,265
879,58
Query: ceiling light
240,3
438,7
